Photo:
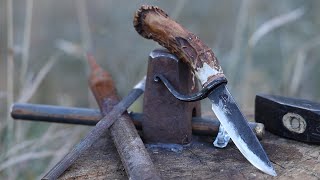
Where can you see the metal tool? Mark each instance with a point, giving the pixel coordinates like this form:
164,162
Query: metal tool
292,118
133,154
101,128
84,116
165,118
153,23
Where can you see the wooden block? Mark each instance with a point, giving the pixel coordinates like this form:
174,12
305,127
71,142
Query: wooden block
200,160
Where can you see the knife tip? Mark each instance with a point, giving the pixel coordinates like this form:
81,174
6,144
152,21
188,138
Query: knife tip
271,171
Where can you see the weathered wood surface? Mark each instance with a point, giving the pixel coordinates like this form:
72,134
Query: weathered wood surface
200,160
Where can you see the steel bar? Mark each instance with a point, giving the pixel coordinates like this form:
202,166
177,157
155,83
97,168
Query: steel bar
85,116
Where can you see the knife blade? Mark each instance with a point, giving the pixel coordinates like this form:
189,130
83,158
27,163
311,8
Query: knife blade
233,121
152,22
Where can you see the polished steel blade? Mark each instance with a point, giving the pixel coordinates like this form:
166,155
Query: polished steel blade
229,115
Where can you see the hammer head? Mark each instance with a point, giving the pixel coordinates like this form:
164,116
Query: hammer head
289,117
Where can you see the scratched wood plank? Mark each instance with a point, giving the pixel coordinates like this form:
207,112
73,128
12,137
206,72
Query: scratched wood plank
200,160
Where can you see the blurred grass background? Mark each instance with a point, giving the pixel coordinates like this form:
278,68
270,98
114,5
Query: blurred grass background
263,46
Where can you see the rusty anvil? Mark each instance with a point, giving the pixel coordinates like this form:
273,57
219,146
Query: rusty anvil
165,118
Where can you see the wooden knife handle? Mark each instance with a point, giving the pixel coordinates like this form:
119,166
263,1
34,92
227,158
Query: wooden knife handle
153,23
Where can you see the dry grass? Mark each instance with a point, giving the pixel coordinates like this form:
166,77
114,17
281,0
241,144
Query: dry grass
244,35
275,23
10,74
26,41
301,61
19,148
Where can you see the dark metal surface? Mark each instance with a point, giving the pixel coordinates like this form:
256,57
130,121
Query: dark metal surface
57,114
237,127
85,116
203,93
165,118
292,118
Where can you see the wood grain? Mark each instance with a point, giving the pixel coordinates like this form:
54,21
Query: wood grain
200,160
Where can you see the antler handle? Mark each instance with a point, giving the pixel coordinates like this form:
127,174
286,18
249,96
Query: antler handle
153,23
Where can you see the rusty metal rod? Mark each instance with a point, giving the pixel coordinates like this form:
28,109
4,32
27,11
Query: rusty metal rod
133,154
100,129
114,113
86,116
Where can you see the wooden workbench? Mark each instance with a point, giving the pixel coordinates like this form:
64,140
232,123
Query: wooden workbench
200,160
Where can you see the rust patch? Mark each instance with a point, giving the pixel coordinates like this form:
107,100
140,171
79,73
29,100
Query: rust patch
101,82
165,118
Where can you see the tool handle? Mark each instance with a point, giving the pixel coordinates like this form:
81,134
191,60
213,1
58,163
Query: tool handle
101,84
153,23
130,147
